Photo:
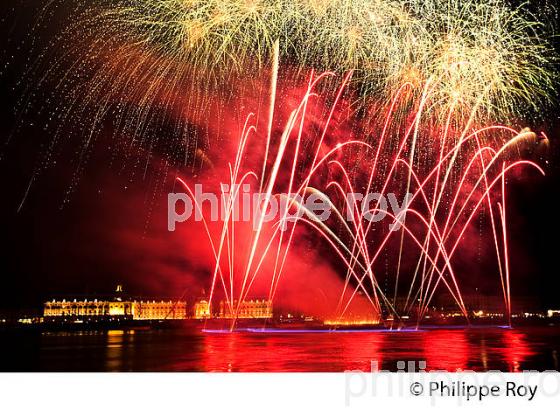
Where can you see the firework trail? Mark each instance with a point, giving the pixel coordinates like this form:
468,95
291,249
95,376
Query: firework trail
446,195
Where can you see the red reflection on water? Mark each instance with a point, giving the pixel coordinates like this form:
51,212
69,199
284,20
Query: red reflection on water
446,350
442,349
515,350
247,352
363,354
244,352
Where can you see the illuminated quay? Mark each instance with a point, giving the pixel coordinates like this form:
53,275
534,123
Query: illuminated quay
136,309
121,308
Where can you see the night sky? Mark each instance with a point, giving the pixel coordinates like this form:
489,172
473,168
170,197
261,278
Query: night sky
110,229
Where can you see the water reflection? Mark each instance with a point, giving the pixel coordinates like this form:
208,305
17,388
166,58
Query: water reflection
446,350
449,350
367,355
186,349
276,353
117,345
515,350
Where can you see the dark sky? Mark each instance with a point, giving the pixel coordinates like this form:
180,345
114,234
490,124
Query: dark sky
106,233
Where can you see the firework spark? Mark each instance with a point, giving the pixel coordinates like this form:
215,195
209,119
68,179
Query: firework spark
483,55
137,58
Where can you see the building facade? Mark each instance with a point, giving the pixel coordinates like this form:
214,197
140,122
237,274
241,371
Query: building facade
163,310
129,309
202,309
250,309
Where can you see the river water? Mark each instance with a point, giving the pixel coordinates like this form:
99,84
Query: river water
189,349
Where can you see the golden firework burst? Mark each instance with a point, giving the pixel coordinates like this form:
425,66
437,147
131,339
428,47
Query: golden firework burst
481,54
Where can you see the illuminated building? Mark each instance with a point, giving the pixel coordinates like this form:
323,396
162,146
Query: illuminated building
202,309
146,310
86,307
116,307
136,310
250,309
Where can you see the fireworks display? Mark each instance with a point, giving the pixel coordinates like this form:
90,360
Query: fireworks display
482,54
132,59
446,197
423,84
